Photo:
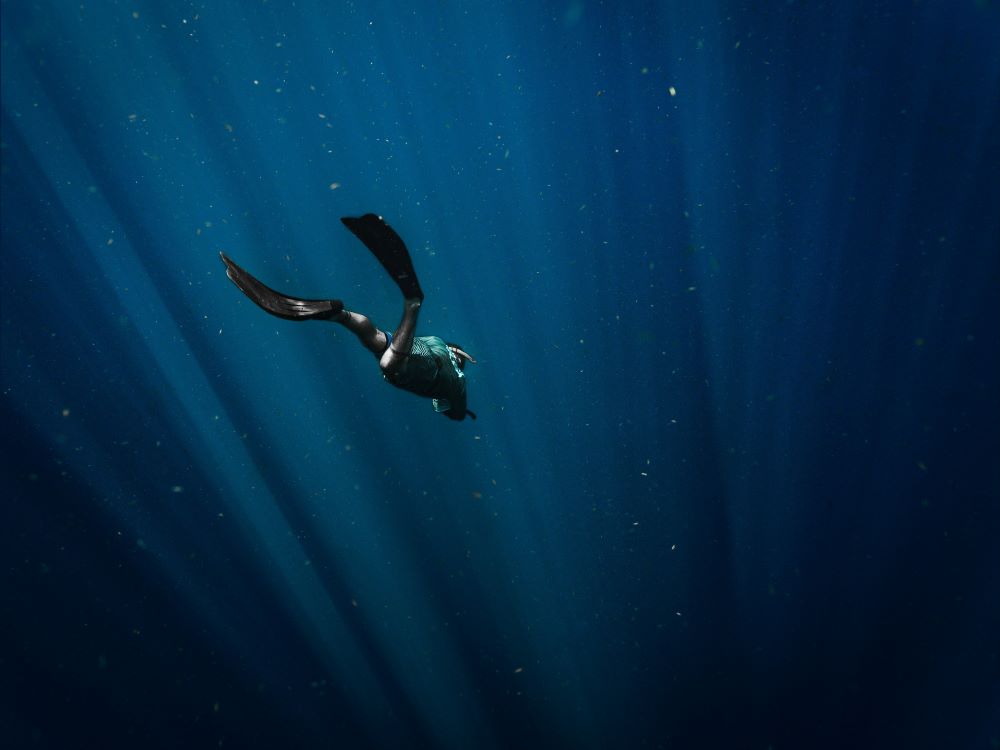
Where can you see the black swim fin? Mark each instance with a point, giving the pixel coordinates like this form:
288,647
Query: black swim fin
390,250
276,303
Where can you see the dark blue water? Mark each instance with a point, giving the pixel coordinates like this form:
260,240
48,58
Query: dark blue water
732,273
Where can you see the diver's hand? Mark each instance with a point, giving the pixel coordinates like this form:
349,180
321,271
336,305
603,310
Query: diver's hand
463,355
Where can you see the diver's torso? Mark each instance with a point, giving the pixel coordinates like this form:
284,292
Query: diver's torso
431,370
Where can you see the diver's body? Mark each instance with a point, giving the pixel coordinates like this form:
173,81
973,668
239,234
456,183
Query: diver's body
424,365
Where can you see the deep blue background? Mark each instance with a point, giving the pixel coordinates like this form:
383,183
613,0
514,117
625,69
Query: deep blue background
735,480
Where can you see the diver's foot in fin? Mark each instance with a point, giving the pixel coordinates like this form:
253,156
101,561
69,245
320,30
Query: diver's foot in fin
276,303
390,250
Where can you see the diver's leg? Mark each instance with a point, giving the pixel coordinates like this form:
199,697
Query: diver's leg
402,340
371,338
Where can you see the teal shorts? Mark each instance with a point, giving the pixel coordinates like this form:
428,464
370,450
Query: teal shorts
431,370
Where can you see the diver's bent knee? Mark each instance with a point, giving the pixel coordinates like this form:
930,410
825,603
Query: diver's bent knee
391,362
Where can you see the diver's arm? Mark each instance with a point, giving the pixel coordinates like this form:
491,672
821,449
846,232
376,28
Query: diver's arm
463,354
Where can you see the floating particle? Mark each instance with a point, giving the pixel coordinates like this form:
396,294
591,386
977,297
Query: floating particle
65,412
919,342
519,670
644,71
135,14
673,91
228,127
140,543
673,546
133,117
600,92
334,185
477,495
921,465
354,602
177,489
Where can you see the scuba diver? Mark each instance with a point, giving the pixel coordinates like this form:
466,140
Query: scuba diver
424,365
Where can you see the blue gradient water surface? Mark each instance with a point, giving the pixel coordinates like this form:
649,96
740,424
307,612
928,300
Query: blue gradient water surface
732,274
